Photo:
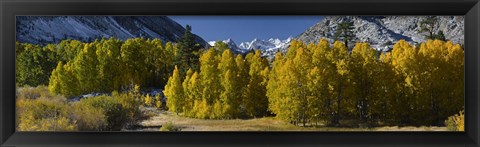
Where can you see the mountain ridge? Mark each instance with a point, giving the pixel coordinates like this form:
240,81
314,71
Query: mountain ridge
378,30
52,29
267,47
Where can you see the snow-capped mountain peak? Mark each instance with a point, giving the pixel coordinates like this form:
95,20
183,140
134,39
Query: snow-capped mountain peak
270,44
212,43
267,47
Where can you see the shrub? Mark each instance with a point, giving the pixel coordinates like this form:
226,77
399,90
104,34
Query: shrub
388,43
116,115
169,126
148,100
38,110
130,102
44,114
33,92
456,122
88,118
56,124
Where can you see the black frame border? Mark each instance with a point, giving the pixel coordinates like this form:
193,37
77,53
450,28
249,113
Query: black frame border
11,8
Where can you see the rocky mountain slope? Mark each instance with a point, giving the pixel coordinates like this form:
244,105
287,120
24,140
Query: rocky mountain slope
378,30
52,29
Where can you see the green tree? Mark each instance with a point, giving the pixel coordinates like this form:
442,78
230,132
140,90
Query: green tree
64,81
188,51
34,65
344,32
428,25
440,36
109,64
85,69
169,58
68,49
221,46
133,60
160,61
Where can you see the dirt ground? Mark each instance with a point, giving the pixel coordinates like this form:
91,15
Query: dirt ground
159,117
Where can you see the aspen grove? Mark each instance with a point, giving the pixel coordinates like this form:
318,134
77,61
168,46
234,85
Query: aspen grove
309,84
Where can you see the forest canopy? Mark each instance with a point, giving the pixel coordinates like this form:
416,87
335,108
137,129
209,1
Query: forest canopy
415,85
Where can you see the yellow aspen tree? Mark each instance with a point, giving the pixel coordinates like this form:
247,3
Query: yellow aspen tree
386,87
455,76
285,106
209,76
339,80
404,61
174,92
54,83
158,101
320,78
274,93
256,102
229,97
243,79
189,97
303,64
363,68
436,80
194,94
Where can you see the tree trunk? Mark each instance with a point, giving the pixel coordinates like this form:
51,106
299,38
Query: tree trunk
337,114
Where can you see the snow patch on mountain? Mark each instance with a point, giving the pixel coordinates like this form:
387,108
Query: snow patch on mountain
53,29
268,47
383,31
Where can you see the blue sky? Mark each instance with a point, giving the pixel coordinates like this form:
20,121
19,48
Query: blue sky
246,28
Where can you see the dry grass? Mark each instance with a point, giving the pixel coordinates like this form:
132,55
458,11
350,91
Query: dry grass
256,124
410,128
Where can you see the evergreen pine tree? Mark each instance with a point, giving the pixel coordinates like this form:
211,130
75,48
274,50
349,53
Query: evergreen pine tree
189,51
344,32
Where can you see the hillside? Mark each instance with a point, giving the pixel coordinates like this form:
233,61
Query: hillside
378,30
53,29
